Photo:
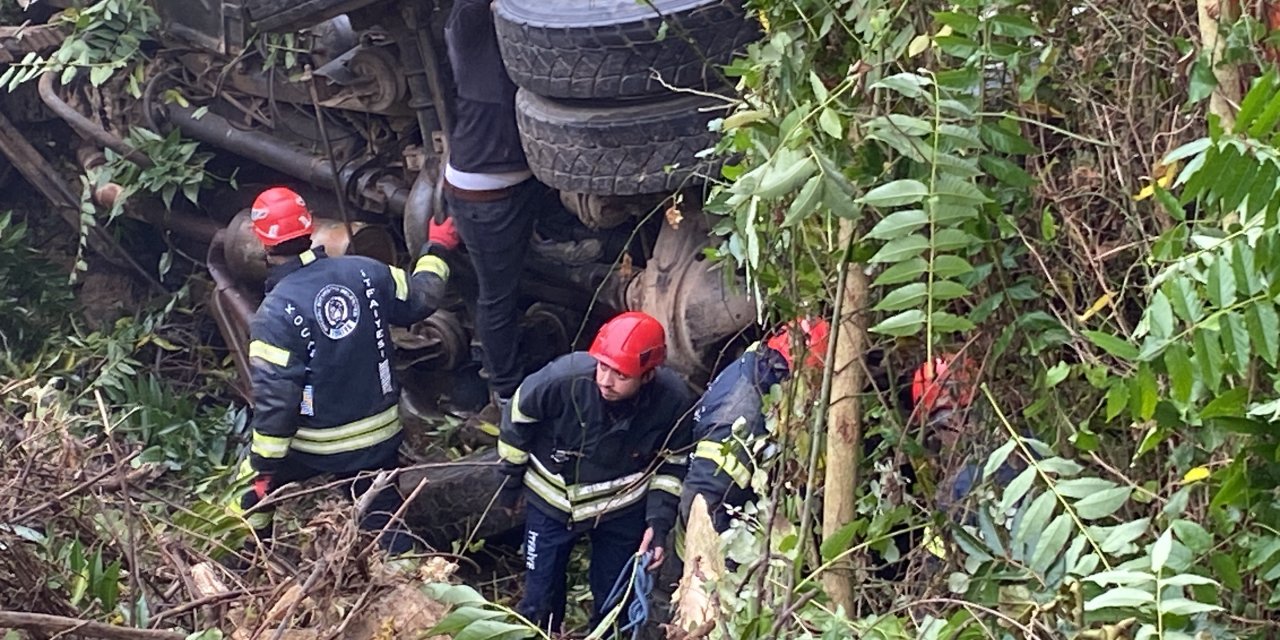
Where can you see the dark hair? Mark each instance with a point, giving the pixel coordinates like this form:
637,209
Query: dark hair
291,247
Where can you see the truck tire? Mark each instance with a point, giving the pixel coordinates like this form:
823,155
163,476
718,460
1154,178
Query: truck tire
613,48
619,150
455,502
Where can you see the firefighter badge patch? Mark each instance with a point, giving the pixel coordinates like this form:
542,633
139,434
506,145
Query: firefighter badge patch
337,311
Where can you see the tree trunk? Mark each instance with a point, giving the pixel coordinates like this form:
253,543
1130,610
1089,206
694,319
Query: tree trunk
844,426
1226,97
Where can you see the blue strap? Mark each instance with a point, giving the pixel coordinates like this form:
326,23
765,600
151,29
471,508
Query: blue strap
636,581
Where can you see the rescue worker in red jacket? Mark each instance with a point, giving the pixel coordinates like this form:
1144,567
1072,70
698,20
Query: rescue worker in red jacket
729,421
598,441
325,396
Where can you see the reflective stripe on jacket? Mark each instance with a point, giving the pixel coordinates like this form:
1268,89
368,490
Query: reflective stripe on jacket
321,358
731,432
587,458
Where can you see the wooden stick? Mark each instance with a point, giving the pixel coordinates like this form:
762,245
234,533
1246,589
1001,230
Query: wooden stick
60,624
76,489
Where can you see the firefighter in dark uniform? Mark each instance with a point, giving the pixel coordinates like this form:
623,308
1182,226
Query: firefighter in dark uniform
598,441
729,421
325,395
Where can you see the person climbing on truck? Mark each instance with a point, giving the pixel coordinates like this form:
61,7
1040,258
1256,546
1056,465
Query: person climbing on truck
597,443
325,396
490,192
729,421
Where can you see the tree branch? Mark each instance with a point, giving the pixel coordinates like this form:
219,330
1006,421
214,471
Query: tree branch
88,628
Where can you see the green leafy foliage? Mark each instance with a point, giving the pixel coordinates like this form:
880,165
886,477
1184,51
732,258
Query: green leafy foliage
104,38
34,298
178,167
475,618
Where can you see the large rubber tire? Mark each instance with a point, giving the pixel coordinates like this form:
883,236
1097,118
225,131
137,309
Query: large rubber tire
612,48
624,149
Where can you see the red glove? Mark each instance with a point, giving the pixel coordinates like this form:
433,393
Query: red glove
262,486
443,234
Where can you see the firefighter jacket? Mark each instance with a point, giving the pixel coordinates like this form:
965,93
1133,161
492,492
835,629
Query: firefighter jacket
731,433
584,459
320,351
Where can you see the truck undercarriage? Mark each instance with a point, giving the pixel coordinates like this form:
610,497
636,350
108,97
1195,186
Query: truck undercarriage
349,101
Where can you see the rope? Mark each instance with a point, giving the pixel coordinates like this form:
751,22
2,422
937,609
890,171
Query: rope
634,580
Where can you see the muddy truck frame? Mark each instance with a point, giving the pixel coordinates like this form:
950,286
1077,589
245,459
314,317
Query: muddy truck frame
350,102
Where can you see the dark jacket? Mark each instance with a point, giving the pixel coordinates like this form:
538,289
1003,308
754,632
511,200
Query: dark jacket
324,388
583,458
484,137
731,433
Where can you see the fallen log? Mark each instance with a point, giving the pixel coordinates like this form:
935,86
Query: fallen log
87,628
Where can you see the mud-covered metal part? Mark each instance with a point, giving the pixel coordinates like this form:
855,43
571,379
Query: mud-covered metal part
367,78
546,332
217,25
48,87
440,341
18,41
385,192
691,297
607,212
454,506
419,61
233,306
282,15
418,209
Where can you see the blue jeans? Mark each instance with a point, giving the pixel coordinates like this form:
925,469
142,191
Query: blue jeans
497,237
547,545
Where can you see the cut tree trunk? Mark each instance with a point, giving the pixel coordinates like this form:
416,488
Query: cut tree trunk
844,427
1226,97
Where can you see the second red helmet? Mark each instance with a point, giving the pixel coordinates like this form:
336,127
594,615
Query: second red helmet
632,343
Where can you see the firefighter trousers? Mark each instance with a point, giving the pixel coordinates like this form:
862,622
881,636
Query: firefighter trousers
548,543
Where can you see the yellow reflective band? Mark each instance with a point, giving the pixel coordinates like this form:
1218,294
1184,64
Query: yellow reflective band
512,454
933,543
353,443
680,459
553,478
269,446
539,485
402,283
246,471
670,484
269,352
518,416
341,432
613,503
307,257
714,451
588,491
432,264
352,436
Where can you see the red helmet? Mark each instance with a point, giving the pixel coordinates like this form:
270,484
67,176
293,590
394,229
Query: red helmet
817,333
633,343
280,214
945,383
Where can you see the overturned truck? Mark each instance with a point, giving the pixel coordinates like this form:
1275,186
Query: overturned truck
349,101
